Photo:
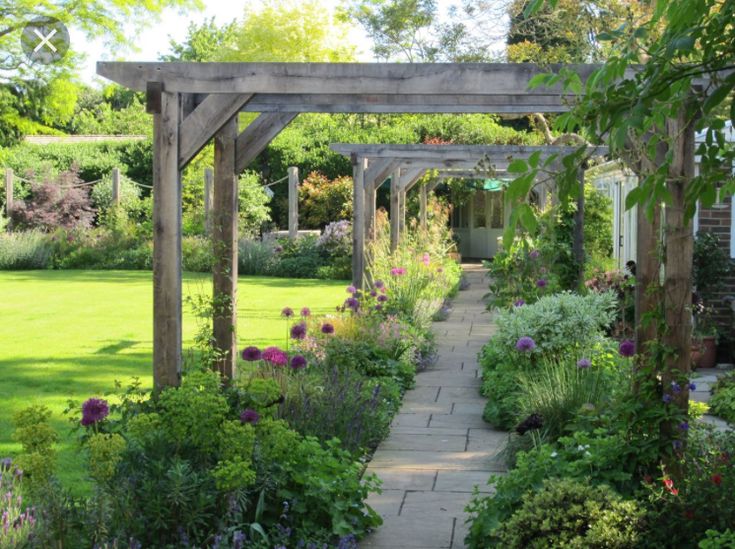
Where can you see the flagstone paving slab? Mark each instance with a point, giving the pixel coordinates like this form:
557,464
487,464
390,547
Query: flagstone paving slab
439,447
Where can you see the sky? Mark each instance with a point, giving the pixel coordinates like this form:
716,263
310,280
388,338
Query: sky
154,40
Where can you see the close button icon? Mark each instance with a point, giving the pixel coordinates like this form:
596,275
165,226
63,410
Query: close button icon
45,40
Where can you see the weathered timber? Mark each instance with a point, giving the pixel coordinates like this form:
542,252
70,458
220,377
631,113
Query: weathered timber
208,199
409,176
440,152
359,165
167,316
255,138
224,238
293,202
340,78
211,115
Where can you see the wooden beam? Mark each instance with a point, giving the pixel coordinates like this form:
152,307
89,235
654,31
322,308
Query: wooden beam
493,153
208,199
409,175
341,78
224,239
293,202
417,103
379,170
359,165
167,317
255,138
206,120
395,209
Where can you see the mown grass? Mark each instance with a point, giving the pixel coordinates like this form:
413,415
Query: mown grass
70,334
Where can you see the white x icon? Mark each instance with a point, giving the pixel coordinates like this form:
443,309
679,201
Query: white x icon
44,40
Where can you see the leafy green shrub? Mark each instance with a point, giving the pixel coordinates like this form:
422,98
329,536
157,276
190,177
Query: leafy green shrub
722,402
600,457
323,201
558,322
129,195
197,254
298,258
25,250
254,257
568,513
718,540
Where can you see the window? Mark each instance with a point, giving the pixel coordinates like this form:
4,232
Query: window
479,214
497,211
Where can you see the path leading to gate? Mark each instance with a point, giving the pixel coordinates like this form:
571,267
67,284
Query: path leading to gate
439,447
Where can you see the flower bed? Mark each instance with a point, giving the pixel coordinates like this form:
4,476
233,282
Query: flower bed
272,458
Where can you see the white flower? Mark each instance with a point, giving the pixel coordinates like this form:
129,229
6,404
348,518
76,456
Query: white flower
554,454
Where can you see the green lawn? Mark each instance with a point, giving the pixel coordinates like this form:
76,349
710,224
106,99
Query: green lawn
71,334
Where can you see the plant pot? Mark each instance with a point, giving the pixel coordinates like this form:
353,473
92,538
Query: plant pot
704,352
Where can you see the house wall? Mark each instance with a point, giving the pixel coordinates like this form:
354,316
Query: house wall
720,222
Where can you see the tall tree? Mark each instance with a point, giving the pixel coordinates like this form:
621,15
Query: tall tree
204,42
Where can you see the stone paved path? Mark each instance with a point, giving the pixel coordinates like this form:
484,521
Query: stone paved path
439,447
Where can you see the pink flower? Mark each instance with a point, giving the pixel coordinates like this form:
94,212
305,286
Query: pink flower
275,356
426,259
398,271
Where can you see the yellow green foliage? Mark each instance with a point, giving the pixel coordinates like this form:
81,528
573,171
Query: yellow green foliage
34,433
105,452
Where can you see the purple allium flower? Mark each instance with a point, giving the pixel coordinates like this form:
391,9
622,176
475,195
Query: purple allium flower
351,290
305,312
541,283
6,464
675,387
519,303
684,426
327,328
692,386
94,410
298,362
525,344
298,331
398,271
382,298
373,293
249,416
352,303
275,356
278,249
287,312
379,307
251,354
534,254
627,348
584,363
379,284
676,444
666,398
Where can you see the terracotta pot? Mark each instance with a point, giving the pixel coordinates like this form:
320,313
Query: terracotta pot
704,352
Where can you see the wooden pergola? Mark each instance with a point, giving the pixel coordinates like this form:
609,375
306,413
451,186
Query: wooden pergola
193,103
406,164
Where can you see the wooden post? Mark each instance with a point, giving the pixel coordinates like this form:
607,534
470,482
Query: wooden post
293,202
359,165
403,197
578,236
679,242
423,202
208,199
115,187
371,193
224,239
395,207
8,191
167,318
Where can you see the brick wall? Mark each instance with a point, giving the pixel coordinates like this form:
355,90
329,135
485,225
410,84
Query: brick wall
718,221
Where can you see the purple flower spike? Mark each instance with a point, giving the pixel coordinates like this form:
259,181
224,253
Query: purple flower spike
287,312
525,344
351,290
251,354
534,254
298,362
584,363
627,348
519,303
305,312
249,416
327,328
666,398
692,387
94,410
541,283
298,331
684,426
675,387
352,303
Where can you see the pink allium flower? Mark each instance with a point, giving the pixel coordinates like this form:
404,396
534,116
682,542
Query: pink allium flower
305,312
426,259
275,356
287,312
351,290
398,271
